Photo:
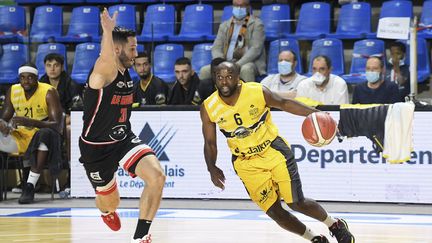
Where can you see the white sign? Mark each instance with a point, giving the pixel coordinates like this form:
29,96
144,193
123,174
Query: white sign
347,171
393,28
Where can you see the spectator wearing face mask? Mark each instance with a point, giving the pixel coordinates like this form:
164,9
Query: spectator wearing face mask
241,40
323,86
286,80
397,70
375,90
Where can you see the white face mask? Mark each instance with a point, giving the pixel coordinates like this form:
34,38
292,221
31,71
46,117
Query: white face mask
318,78
284,67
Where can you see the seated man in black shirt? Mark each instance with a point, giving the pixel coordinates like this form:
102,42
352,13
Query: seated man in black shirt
185,89
375,90
150,90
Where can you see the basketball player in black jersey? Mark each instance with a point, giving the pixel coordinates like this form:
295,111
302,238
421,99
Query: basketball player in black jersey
107,140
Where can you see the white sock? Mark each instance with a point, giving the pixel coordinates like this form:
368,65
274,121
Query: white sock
33,178
329,221
309,234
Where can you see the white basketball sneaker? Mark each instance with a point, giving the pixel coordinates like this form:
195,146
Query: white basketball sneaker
145,239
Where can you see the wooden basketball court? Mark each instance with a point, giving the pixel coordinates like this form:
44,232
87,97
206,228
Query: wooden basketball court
196,224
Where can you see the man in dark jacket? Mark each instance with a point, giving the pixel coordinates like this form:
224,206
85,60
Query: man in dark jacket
150,90
185,89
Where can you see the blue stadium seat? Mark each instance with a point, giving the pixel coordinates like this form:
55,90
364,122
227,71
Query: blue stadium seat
30,1
362,50
280,45
126,17
227,13
197,24
85,57
84,24
140,1
426,20
331,48
164,58
276,19
14,55
133,74
313,22
47,23
45,49
64,2
103,1
354,21
159,23
423,59
201,56
397,8
12,24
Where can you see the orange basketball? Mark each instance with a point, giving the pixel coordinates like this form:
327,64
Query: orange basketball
319,129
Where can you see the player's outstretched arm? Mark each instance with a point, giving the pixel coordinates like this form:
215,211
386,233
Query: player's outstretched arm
105,69
210,149
289,105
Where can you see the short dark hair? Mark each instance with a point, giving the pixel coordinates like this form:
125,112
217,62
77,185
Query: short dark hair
399,45
183,61
54,56
326,59
379,59
144,54
121,34
292,52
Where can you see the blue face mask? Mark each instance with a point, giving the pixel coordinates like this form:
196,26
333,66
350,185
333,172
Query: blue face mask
239,12
373,77
284,67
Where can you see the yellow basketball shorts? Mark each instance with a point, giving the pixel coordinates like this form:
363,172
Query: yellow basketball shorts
270,176
23,137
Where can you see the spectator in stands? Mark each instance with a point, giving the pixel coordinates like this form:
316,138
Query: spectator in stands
323,86
240,39
375,90
59,79
397,70
31,124
286,80
207,86
185,89
150,90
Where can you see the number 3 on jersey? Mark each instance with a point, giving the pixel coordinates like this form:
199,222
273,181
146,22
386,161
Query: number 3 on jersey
123,115
237,119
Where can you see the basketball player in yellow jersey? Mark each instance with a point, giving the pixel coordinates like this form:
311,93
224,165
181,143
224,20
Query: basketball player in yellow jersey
261,158
34,130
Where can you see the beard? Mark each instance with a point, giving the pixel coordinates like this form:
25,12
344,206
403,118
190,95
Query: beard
144,76
228,91
125,60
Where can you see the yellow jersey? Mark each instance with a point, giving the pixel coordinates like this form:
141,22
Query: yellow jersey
34,108
247,125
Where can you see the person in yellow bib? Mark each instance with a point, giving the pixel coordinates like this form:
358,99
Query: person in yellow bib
261,158
31,125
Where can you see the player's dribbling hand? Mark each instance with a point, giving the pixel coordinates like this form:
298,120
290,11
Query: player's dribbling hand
217,177
108,23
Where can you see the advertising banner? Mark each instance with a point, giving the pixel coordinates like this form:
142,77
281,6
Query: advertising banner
342,171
